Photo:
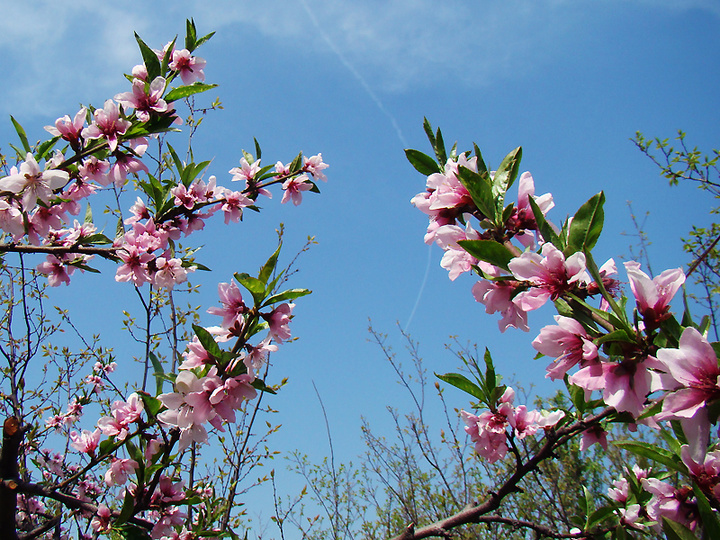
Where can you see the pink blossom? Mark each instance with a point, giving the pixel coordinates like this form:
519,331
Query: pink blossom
107,124
135,265
170,272
625,385
669,502
490,445
593,435
86,442
455,259
233,206
119,471
279,322
101,521
705,471
56,271
246,171
257,356
549,275
68,129
125,164
497,296
694,369
34,183
144,102
293,188
190,67
568,342
233,305
522,222
11,219
195,355
653,296
139,212
314,165
524,422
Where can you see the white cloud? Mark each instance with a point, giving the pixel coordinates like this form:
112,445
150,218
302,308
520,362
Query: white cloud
60,51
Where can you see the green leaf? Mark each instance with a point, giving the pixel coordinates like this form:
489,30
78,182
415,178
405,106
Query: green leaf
660,455
260,385
44,149
207,341
184,91
547,232
178,162
676,531
480,190
711,525
126,531
598,516
258,151
290,294
586,504
463,383
254,285
488,251
152,404
203,39
149,58
269,267
190,35
167,58
586,226
127,507
21,135
505,175
159,373
490,375
88,214
423,163
482,168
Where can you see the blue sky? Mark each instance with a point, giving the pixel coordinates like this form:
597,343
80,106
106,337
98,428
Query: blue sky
570,81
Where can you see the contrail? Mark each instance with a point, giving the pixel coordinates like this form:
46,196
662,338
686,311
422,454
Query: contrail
345,62
355,73
422,288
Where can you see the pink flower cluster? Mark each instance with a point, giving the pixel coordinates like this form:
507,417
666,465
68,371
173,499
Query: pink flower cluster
489,430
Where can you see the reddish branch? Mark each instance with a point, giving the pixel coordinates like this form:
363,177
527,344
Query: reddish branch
479,513
107,252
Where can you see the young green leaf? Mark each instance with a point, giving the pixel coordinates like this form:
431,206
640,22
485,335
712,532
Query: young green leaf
182,92
586,226
291,294
21,134
423,163
655,453
207,341
480,190
269,267
255,286
488,251
505,175
676,531
149,58
159,373
463,383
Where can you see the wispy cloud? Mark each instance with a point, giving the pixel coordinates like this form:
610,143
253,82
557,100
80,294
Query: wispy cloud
56,52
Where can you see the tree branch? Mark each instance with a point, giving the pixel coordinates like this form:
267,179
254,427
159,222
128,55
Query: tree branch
477,514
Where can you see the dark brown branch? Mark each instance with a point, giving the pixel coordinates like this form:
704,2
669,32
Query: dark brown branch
478,513
13,433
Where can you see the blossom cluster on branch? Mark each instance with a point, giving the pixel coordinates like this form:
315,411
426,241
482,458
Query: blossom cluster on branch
644,367
124,475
